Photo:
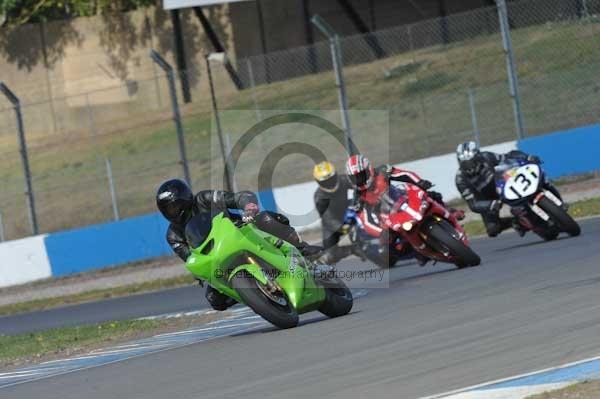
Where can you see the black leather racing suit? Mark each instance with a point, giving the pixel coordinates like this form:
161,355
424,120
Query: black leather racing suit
479,189
216,201
332,209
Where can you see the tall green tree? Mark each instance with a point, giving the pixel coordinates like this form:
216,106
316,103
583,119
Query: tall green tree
18,12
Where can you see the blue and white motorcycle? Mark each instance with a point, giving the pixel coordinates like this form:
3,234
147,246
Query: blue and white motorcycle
522,186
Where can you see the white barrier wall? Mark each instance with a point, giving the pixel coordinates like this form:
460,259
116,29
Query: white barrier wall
22,261
296,202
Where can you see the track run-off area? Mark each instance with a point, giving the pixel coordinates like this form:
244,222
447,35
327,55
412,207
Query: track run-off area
530,305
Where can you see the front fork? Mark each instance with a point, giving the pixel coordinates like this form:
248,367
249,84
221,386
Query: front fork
538,210
522,215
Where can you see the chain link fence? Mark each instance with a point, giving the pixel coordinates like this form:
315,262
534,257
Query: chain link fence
440,82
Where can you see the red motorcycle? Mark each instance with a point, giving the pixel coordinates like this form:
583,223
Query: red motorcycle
431,230
366,236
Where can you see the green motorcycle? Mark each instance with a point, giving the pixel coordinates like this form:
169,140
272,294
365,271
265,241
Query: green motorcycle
267,274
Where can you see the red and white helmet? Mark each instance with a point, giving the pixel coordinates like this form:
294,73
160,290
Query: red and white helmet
360,171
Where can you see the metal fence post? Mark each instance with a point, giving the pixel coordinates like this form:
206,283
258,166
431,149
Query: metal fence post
411,45
586,12
113,192
228,148
24,157
252,87
474,122
165,66
90,115
228,174
336,55
2,237
513,80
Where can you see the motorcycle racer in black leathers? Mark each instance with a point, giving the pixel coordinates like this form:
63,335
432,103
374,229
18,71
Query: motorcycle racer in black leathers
178,205
475,182
331,200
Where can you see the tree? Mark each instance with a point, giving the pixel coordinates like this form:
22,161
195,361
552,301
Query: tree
18,12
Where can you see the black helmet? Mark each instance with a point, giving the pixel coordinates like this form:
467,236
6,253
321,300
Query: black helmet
175,201
468,157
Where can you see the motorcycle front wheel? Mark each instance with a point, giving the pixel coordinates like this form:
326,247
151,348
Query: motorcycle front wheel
564,221
465,256
274,308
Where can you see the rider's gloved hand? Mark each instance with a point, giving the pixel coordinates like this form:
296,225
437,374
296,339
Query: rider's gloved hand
249,213
534,159
355,206
425,184
437,197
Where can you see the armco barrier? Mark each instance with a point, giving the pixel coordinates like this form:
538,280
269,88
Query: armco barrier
92,247
566,153
143,237
108,244
22,261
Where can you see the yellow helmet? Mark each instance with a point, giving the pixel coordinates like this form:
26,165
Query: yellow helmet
324,173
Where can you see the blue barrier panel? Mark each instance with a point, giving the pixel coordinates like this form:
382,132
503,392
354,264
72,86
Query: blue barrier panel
565,153
109,244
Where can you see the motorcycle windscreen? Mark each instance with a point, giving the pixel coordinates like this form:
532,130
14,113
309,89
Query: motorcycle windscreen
198,229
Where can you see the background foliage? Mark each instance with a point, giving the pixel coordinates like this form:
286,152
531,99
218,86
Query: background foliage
18,12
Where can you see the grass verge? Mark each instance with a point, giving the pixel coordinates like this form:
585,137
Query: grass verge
17,350
95,295
582,390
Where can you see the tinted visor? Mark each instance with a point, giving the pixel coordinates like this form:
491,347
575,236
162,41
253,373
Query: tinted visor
471,166
175,211
359,179
329,183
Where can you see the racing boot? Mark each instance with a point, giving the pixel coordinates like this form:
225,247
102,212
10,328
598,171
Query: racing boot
334,254
217,300
310,252
518,228
321,271
422,260
357,250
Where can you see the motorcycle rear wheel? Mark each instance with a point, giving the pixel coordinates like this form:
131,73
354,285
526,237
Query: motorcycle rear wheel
466,257
338,299
282,316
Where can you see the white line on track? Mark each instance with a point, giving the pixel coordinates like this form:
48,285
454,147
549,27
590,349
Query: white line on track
42,377
510,393
173,334
516,377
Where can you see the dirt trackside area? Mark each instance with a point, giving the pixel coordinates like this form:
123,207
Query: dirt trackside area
584,390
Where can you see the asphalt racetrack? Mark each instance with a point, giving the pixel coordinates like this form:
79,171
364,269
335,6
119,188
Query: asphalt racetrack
531,305
124,308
